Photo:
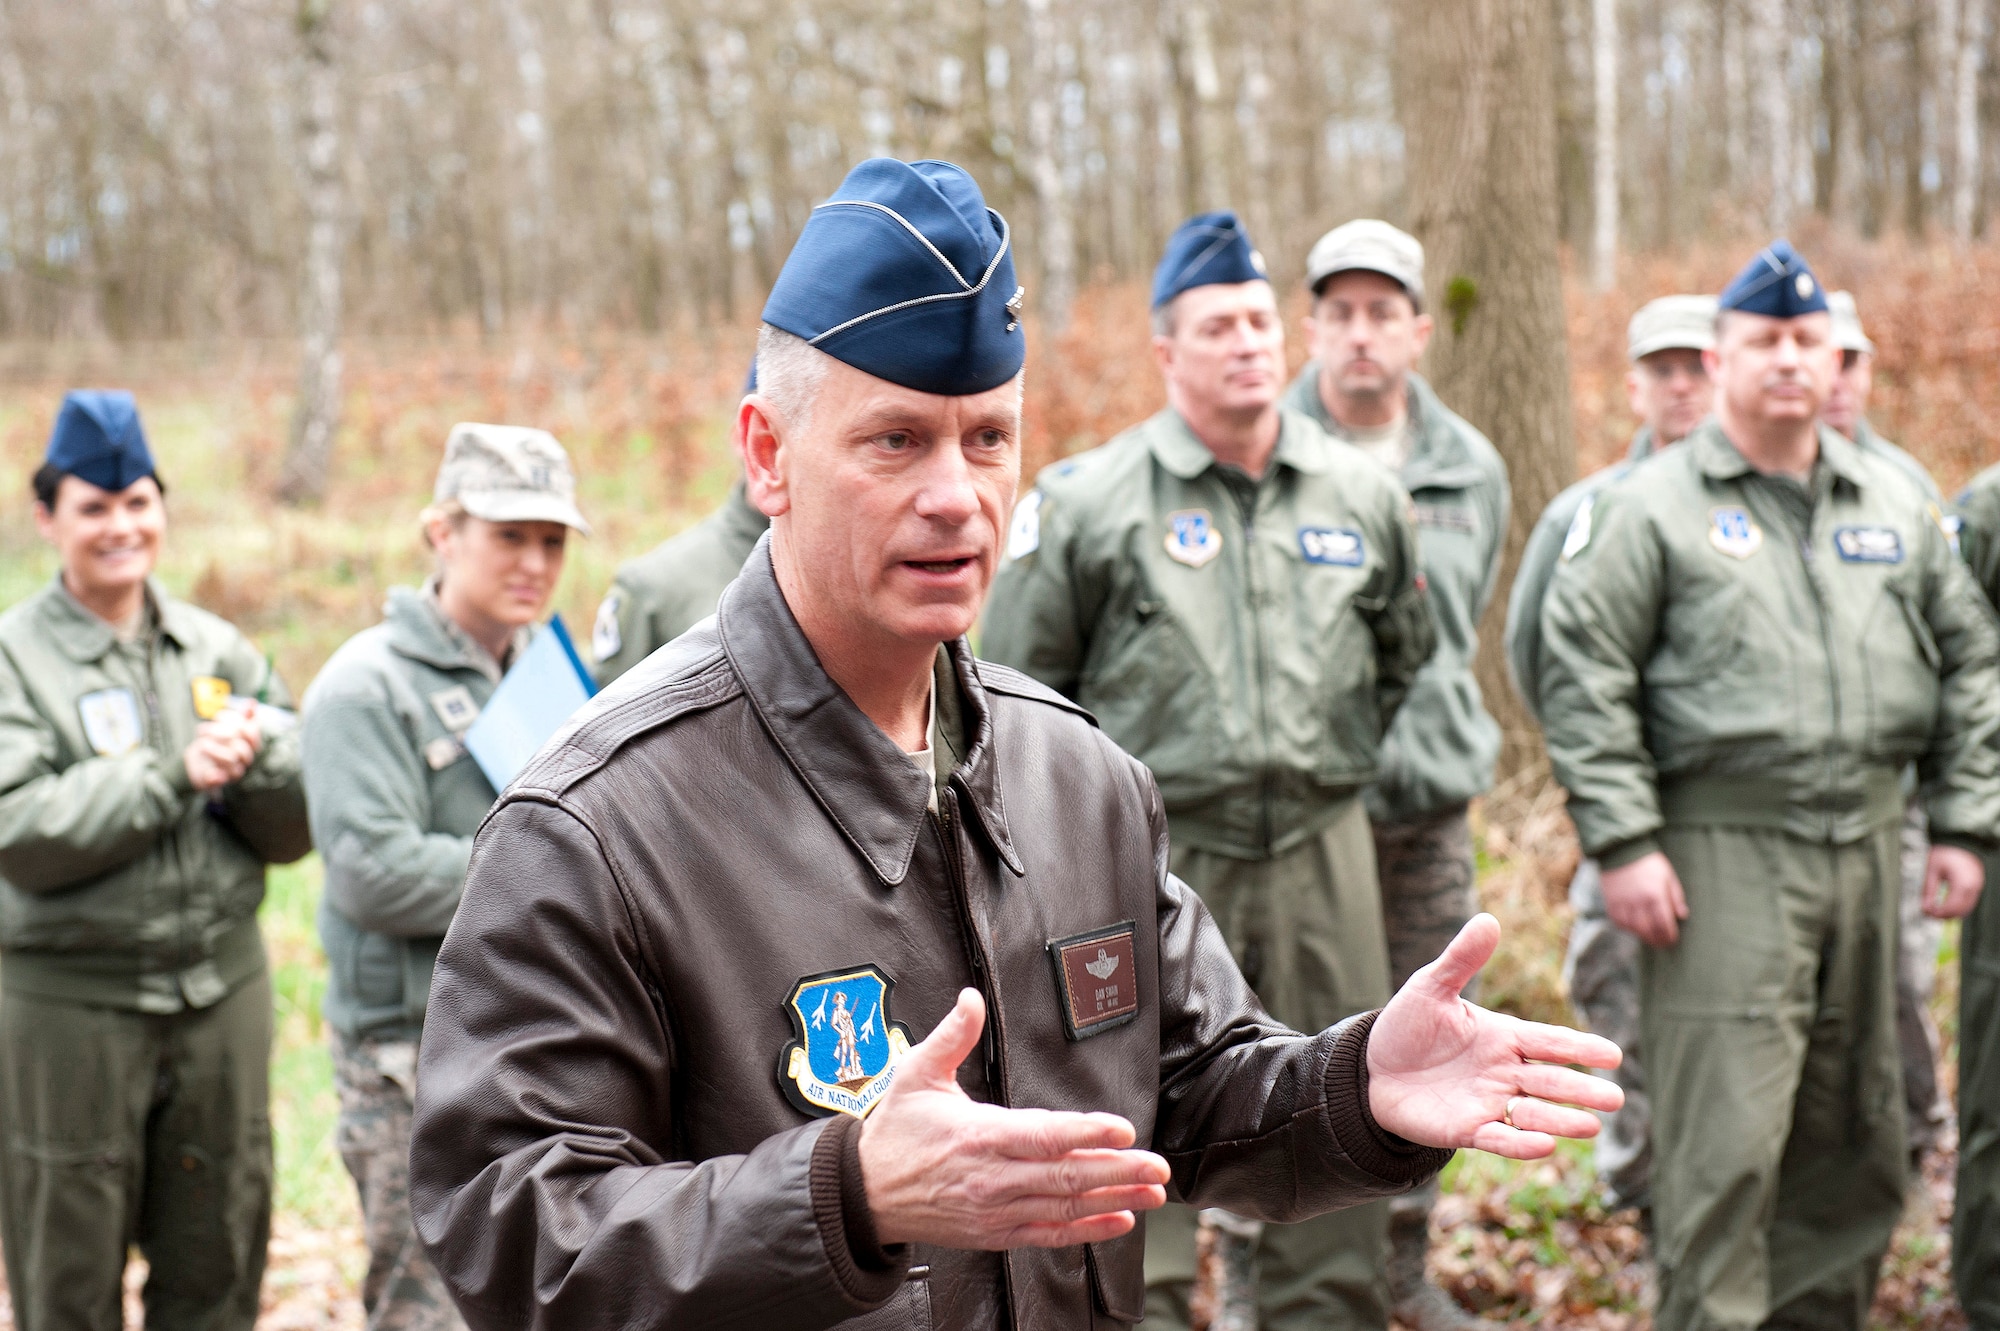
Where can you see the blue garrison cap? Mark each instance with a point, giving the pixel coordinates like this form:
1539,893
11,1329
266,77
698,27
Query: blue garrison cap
1777,283
906,274
1209,248
99,439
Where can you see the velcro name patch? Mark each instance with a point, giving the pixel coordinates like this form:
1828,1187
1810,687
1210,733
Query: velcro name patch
1096,981
1868,545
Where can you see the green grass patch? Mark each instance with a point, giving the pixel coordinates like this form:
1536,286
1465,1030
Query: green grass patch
312,1184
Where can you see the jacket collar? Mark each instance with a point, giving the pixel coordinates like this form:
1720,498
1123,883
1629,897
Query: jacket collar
1644,444
1301,445
418,629
1718,459
1439,457
868,786
84,638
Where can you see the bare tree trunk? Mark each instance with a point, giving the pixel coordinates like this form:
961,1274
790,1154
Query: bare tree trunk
1769,53
1056,245
317,415
1965,173
1604,68
1475,90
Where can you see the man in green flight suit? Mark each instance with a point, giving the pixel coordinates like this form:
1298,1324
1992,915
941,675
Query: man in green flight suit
1667,388
1754,636
668,590
148,773
1236,596
1975,1216
1366,330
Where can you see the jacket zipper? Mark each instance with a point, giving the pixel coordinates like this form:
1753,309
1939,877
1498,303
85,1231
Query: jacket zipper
942,823
1246,502
1832,665
159,725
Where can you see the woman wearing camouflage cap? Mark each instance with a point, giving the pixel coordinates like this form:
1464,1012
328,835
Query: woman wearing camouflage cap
395,799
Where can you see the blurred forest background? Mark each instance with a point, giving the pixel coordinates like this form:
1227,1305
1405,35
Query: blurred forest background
312,234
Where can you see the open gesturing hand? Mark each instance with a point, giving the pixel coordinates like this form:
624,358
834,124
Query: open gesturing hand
940,1167
1445,1072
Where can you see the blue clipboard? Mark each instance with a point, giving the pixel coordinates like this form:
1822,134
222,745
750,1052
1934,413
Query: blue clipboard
536,698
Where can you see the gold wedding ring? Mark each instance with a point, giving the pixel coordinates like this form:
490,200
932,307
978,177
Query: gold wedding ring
1507,1114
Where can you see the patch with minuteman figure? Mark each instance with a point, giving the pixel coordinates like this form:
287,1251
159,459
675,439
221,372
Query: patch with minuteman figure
847,1047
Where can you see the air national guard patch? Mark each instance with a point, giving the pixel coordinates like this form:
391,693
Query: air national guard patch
1024,534
1095,979
111,721
1732,532
1342,546
1578,535
1948,523
1192,538
1868,545
605,637
847,1050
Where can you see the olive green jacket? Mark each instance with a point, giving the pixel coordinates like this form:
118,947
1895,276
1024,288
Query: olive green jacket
1443,745
120,885
1539,557
1869,440
1722,646
1976,518
674,586
1249,641
395,801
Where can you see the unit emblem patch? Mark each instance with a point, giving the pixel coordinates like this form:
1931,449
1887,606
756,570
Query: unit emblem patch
454,706
1342,546
1732,532
1868,545
1578,535
847,1048
211,696
1024,534
1095,979
111,721
1192,538
605,636
1948,523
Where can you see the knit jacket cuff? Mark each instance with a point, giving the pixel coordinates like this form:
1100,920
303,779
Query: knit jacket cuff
1621,853
1368,1144
868,1271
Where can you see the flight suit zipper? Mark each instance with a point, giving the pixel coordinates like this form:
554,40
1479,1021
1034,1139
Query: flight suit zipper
1813,581
158,723
1246,503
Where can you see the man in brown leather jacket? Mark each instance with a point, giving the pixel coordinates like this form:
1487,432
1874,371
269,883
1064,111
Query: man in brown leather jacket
819,974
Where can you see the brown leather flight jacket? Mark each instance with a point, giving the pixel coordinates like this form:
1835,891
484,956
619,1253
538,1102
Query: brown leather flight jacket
604,1135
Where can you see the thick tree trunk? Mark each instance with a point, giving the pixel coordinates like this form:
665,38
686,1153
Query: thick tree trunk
317,414
1475,90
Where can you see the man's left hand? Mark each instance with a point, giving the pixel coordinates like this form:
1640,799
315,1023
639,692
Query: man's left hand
1445,1072
1953,878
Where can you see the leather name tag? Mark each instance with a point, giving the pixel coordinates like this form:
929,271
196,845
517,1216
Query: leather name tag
1096,980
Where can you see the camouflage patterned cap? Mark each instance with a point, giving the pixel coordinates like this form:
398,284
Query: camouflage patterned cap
508,473
1847,333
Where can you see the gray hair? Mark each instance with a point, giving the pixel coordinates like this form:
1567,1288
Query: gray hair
790,372
1163,318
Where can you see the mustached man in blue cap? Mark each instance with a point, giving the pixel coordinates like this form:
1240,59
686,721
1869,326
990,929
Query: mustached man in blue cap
1749,638
148,773
821,974
1236,596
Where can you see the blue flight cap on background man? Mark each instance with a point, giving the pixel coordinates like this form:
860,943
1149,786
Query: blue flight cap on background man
98,438
906,274
1777,283
1207,249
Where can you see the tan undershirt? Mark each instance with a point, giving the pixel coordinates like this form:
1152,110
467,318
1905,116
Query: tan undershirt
1387,444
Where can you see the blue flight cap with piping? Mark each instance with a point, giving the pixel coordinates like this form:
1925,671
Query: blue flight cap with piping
906,274
1777,283
1206,249
98,438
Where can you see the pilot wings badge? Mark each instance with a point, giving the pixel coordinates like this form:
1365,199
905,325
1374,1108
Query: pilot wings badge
847,1049
1096,984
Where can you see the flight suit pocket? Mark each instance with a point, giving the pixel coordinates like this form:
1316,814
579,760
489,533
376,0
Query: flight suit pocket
1118,1276
1902,660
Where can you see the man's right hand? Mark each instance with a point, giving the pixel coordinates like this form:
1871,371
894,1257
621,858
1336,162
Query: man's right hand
222,751
1645,898
940,1167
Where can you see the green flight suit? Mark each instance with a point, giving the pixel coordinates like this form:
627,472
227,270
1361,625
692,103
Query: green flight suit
674,586
135,1006
1251,642
1735,670
1975,1221
395,801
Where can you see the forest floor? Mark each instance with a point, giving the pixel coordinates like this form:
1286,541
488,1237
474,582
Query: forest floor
646,421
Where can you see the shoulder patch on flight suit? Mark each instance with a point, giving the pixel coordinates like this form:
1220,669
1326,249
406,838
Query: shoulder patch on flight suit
1024,533
605,638
1578,535
1192,538
1095,979
454,707
211,696
1948,523
847,1049
1868,545
1732,532
111,721
1333,545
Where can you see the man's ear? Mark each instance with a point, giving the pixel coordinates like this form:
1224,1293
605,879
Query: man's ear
1711,361
761,449
1421,328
